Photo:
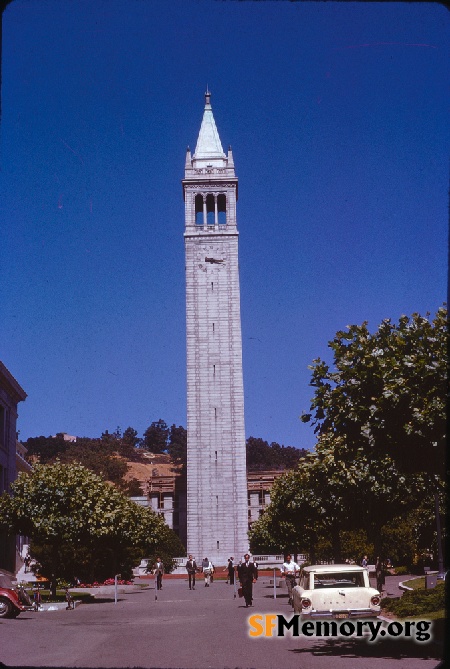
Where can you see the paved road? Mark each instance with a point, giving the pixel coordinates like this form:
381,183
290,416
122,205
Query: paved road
205,628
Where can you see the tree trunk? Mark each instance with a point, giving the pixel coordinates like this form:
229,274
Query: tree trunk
336,543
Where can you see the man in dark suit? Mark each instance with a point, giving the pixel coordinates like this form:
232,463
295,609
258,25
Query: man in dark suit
230,570
247,574
191,568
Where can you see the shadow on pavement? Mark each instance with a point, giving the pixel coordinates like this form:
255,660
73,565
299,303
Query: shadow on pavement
395,649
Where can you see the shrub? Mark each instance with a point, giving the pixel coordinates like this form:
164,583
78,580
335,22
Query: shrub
401,571
416,602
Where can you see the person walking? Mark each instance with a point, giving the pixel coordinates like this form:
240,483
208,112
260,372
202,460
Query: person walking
230,569
207,570
191,568
69,599
379,573
364,562
27,562
158,570
247,574
290,570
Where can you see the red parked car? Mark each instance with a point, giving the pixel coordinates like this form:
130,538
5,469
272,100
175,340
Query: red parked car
12,600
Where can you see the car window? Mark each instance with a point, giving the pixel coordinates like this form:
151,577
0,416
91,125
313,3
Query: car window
339,580
5,582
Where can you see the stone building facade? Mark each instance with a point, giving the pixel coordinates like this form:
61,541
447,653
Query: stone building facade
165,493
11,393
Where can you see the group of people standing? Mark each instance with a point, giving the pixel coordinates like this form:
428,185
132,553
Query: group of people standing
247,573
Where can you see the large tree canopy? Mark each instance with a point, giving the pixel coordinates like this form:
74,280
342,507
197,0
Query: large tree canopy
386,392
379,413
65,508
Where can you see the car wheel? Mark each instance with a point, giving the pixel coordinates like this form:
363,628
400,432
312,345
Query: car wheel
6,608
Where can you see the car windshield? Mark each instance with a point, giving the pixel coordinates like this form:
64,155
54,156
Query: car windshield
348,579
5,581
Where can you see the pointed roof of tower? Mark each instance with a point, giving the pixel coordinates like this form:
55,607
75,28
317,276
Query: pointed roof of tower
208,144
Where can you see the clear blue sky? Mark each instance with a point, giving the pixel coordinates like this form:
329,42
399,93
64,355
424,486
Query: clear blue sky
338,118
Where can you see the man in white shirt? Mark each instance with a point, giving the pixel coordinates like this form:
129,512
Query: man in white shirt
290,570
207,570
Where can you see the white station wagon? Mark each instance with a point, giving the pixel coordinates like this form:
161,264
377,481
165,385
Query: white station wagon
335,591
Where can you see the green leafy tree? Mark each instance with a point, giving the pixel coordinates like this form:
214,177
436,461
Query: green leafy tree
386,393
380,418
177,446
66,509
156,437
99,456
46,448
261,455
129,443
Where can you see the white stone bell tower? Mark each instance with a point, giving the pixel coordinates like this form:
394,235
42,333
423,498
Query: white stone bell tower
217,508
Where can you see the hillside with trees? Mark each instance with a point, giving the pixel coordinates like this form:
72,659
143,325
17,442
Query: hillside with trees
110,455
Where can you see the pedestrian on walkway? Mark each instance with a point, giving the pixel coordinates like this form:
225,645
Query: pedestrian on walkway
69,599
230,569
27,562
247,574
290,570
158,569
191,568
207,569
379,573
37,599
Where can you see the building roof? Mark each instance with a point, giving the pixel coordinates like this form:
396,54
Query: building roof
209,146
9,383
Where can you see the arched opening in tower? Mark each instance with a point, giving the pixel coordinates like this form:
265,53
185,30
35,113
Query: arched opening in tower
199,209
210,209
222,209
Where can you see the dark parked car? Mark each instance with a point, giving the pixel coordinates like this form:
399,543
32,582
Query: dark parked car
13,600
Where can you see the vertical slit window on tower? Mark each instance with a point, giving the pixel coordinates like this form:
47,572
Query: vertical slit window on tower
218,545
215,415
212,285
213,327
216,455
214,370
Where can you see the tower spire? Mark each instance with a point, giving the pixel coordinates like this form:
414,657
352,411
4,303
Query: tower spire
209,146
